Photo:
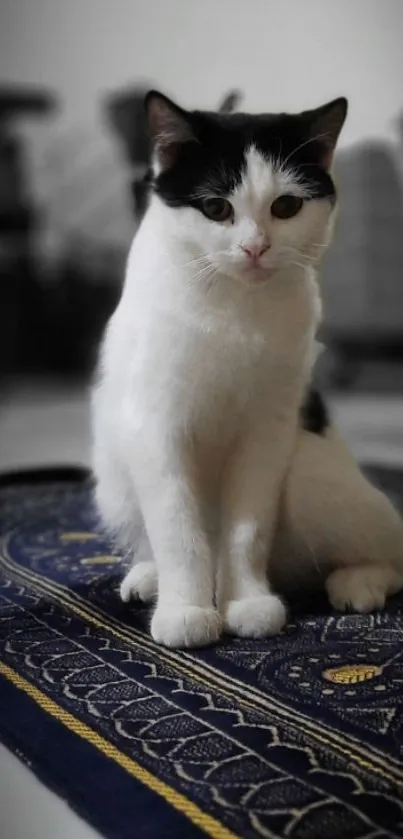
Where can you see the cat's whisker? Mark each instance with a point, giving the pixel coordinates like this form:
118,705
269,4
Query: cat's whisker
298,264
305,143
203,274
308,255
299,255
312,558
209,281
196,261
203,259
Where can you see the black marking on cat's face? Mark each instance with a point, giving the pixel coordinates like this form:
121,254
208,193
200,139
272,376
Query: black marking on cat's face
200,151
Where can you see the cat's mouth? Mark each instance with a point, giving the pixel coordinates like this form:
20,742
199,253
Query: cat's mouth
257,274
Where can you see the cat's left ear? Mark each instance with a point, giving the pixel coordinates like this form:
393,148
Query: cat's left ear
169,128
325,124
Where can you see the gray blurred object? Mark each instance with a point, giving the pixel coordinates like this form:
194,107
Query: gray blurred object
230,102
125,111
126,116
363,271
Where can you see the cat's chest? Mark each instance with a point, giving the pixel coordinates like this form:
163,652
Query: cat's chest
219,379
210,376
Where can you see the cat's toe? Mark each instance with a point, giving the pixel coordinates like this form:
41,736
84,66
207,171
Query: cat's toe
140,583
358,589
185,626
255,617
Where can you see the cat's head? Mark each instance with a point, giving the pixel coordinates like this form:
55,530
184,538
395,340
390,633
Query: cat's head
252,194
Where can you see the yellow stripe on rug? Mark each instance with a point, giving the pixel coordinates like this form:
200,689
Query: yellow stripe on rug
208,824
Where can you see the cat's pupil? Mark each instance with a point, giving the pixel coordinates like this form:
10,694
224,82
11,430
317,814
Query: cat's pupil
217,209
286,206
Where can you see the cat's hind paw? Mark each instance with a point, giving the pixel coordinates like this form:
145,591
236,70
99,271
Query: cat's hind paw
362,588
255,617
140,583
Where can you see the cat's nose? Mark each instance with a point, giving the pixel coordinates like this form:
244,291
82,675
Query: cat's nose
254,252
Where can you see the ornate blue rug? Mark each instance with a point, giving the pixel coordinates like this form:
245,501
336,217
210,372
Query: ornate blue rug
298,736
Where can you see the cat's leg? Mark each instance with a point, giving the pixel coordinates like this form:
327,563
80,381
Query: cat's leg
335,529
115,497
141,580
250,503
117,503
185,615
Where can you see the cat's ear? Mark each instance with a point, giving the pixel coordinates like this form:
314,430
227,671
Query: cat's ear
325,124
169,127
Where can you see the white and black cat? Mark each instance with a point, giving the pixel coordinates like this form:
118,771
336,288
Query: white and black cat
208,467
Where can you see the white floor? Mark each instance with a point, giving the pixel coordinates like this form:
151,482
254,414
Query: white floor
44,425
30,811
39,426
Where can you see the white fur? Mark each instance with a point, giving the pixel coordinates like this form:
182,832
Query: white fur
336,529
196,413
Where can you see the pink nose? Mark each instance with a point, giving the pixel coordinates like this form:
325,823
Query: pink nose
255,251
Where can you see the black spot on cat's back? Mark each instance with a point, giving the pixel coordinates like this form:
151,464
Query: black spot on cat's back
314,414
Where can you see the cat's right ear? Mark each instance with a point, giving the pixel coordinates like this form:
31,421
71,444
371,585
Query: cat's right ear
169,128
325,124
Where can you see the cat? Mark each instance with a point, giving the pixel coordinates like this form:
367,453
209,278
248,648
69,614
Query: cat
216,466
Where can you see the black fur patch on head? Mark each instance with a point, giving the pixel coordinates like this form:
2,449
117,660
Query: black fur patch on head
314,414
201,151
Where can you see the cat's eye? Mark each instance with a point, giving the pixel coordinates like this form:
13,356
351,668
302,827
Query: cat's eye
217,209
286,206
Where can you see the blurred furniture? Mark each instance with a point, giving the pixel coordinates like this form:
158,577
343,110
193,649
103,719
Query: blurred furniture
75,307
17,223
51,314
363,270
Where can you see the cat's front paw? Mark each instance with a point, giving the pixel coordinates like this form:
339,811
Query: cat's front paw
185,626
255,617
140,583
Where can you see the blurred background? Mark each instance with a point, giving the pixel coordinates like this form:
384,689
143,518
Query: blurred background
73,152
